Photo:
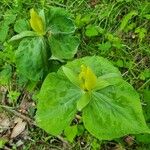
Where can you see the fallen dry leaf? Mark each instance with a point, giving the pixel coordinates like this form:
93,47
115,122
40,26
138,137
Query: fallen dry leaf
19,127
4,122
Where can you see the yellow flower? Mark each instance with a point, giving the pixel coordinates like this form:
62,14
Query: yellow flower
87,78
36,22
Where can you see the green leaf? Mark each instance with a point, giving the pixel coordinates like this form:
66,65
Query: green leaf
59,21
147,16
82,20
145,74
91,31
114,112
101,83
126,19
104,47
4,32
31,58
5,74
23,35
42,15
71,76
141,32
63,46
9,17
21,25
71,132
146,98
57,104
83,101
2,143
143,138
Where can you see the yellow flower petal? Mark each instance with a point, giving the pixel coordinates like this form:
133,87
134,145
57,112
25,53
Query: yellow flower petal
36,22
87,78
90,81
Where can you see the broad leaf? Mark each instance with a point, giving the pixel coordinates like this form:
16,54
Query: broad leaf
21,25
101,83
58,21
3,32
114,112
9,18
23,34
71,76
83,101
71,132
63,46
57,104
31,59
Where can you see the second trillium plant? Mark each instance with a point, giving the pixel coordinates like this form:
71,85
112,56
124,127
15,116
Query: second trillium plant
50,36
110,107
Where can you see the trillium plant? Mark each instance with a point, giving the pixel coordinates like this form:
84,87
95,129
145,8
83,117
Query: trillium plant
93,87
89,86
47,35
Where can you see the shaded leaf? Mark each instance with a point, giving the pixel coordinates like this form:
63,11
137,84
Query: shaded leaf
59,21
22,35
3,32
21,25
31,58
63,46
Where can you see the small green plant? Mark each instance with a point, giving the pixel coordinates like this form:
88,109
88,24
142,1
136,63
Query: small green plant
51,38
13,96
109,106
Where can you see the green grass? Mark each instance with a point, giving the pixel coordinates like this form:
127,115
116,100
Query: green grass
115,29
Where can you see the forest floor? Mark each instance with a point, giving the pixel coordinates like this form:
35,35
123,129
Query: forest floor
118,30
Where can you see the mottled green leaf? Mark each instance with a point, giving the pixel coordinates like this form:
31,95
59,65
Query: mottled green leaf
31,58
63,46
21,25
71,76
3,32
114,112
59,21
23,34
57,104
